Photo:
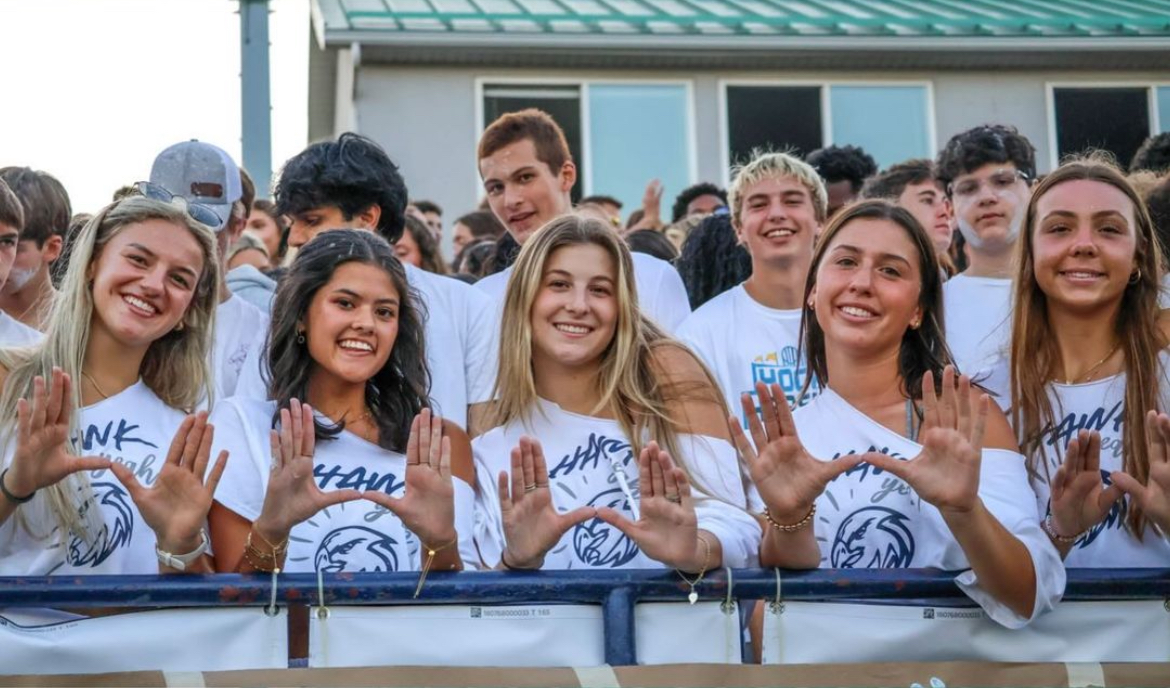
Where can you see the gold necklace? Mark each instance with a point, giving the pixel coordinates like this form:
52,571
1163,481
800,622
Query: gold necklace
1095,367
95,385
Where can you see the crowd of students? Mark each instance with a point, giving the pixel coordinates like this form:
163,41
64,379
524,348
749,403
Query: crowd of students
852,389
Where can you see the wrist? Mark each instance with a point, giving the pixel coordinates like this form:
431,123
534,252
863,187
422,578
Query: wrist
960,516
511,563
16,484
269,531
700,559
181,544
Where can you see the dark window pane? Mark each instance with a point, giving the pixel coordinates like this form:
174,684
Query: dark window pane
777,118
562,102
1112,119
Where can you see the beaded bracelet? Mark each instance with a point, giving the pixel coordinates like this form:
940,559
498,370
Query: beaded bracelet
792,528
1049,529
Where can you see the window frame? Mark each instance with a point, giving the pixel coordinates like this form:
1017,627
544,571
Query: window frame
826,86
1152,110
583,83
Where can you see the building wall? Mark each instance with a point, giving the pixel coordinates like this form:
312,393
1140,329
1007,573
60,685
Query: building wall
427,117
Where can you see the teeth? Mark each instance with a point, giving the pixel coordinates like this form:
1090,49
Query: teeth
356,345
859,312
1081,275
778,233
139,303
573,329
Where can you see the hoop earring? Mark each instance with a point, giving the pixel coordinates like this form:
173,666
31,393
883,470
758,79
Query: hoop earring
180,327
300,338
1136,276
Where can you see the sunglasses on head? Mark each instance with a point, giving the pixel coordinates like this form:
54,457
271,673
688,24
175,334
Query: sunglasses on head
200,213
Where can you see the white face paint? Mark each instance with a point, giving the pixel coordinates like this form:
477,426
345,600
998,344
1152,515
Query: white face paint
18,278
971,235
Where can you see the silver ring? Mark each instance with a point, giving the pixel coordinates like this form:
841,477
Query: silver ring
674,498
530,488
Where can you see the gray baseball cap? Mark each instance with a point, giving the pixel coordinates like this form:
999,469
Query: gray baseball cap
200,173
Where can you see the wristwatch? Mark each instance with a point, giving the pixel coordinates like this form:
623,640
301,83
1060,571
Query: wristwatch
180,562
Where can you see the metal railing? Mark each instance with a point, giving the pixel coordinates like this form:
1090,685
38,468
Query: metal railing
616,591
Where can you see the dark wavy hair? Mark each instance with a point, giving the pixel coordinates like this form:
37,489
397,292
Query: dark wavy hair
397,392
351,173
712,260
991,143
924,349
1154,155
843,163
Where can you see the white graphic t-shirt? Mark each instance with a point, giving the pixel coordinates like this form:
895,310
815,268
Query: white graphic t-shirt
15,333
351,537
461,343
134,428
1099,406
662,295
867,518
236,325
744,342
978,313
590,463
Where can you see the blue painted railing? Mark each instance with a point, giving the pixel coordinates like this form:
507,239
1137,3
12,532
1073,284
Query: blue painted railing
616,591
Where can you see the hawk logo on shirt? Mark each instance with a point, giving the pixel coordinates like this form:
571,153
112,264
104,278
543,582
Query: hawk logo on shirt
599,544
115,502
356,548
873,537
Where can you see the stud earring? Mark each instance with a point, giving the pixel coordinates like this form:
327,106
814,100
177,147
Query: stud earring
179,327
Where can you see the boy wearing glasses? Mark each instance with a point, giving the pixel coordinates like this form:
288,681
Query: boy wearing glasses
987,173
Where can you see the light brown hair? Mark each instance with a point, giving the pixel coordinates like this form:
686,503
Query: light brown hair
536,125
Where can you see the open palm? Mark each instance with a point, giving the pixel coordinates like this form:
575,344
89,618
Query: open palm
1154,497
1079,500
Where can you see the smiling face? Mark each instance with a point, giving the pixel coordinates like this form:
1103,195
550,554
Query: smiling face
777,221
868,287
928,204
574,314
989,205
1084,245
351,323
521,189
143,281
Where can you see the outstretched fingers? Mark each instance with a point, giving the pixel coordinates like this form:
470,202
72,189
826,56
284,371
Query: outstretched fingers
217,469
783,413
753,420
889,464
981,413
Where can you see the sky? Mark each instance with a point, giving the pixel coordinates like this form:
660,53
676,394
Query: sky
94,89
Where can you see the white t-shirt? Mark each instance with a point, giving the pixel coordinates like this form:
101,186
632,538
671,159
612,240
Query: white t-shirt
978,313
15,333
133,427
867,518
350,537
461,346
236,325
590,462
1100,406
744,342
662,295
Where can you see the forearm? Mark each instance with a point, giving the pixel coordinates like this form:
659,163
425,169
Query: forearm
796,550
265,550
707,554
14,485
1002,564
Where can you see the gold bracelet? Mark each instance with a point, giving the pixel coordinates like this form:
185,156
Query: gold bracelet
426,567
257,560
791,528
1049,529
277,550
693,596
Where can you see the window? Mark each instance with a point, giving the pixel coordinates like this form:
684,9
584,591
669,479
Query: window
1164,108
891,122
1116,119
621,134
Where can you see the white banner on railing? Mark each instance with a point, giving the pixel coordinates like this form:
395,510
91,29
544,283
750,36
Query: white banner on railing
680,633
457,635
49,642
817,632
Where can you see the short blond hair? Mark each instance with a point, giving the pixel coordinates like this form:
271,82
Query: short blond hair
764,165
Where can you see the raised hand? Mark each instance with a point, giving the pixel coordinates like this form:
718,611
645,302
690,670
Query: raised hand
1154,496
1079,499
667,528
176,506
788,477
531,523
43,457
293,495
428,507
946,472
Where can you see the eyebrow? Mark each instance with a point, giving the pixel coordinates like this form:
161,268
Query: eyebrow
350,292
1097,215
152,254
883,256
566,273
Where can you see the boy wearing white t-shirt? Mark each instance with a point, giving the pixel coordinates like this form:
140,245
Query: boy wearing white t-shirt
751,333
12,331
987,173
528,172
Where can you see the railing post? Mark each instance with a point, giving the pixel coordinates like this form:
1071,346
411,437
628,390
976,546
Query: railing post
617,612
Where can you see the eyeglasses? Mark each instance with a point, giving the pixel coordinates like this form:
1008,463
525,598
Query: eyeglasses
200,213
999,182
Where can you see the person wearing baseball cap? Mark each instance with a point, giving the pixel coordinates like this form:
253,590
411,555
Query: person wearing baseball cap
219,194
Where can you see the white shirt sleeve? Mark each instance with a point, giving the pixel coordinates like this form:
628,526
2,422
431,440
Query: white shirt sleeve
720,500
244,481
671,304
251,384
1005,491
482,337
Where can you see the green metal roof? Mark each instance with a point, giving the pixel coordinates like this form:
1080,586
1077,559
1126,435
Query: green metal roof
909,19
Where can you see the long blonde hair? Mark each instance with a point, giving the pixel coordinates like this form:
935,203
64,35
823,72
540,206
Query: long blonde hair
1034,353
628,384
175,366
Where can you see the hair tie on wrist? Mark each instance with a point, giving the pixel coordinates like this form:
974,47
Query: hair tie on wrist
15,499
